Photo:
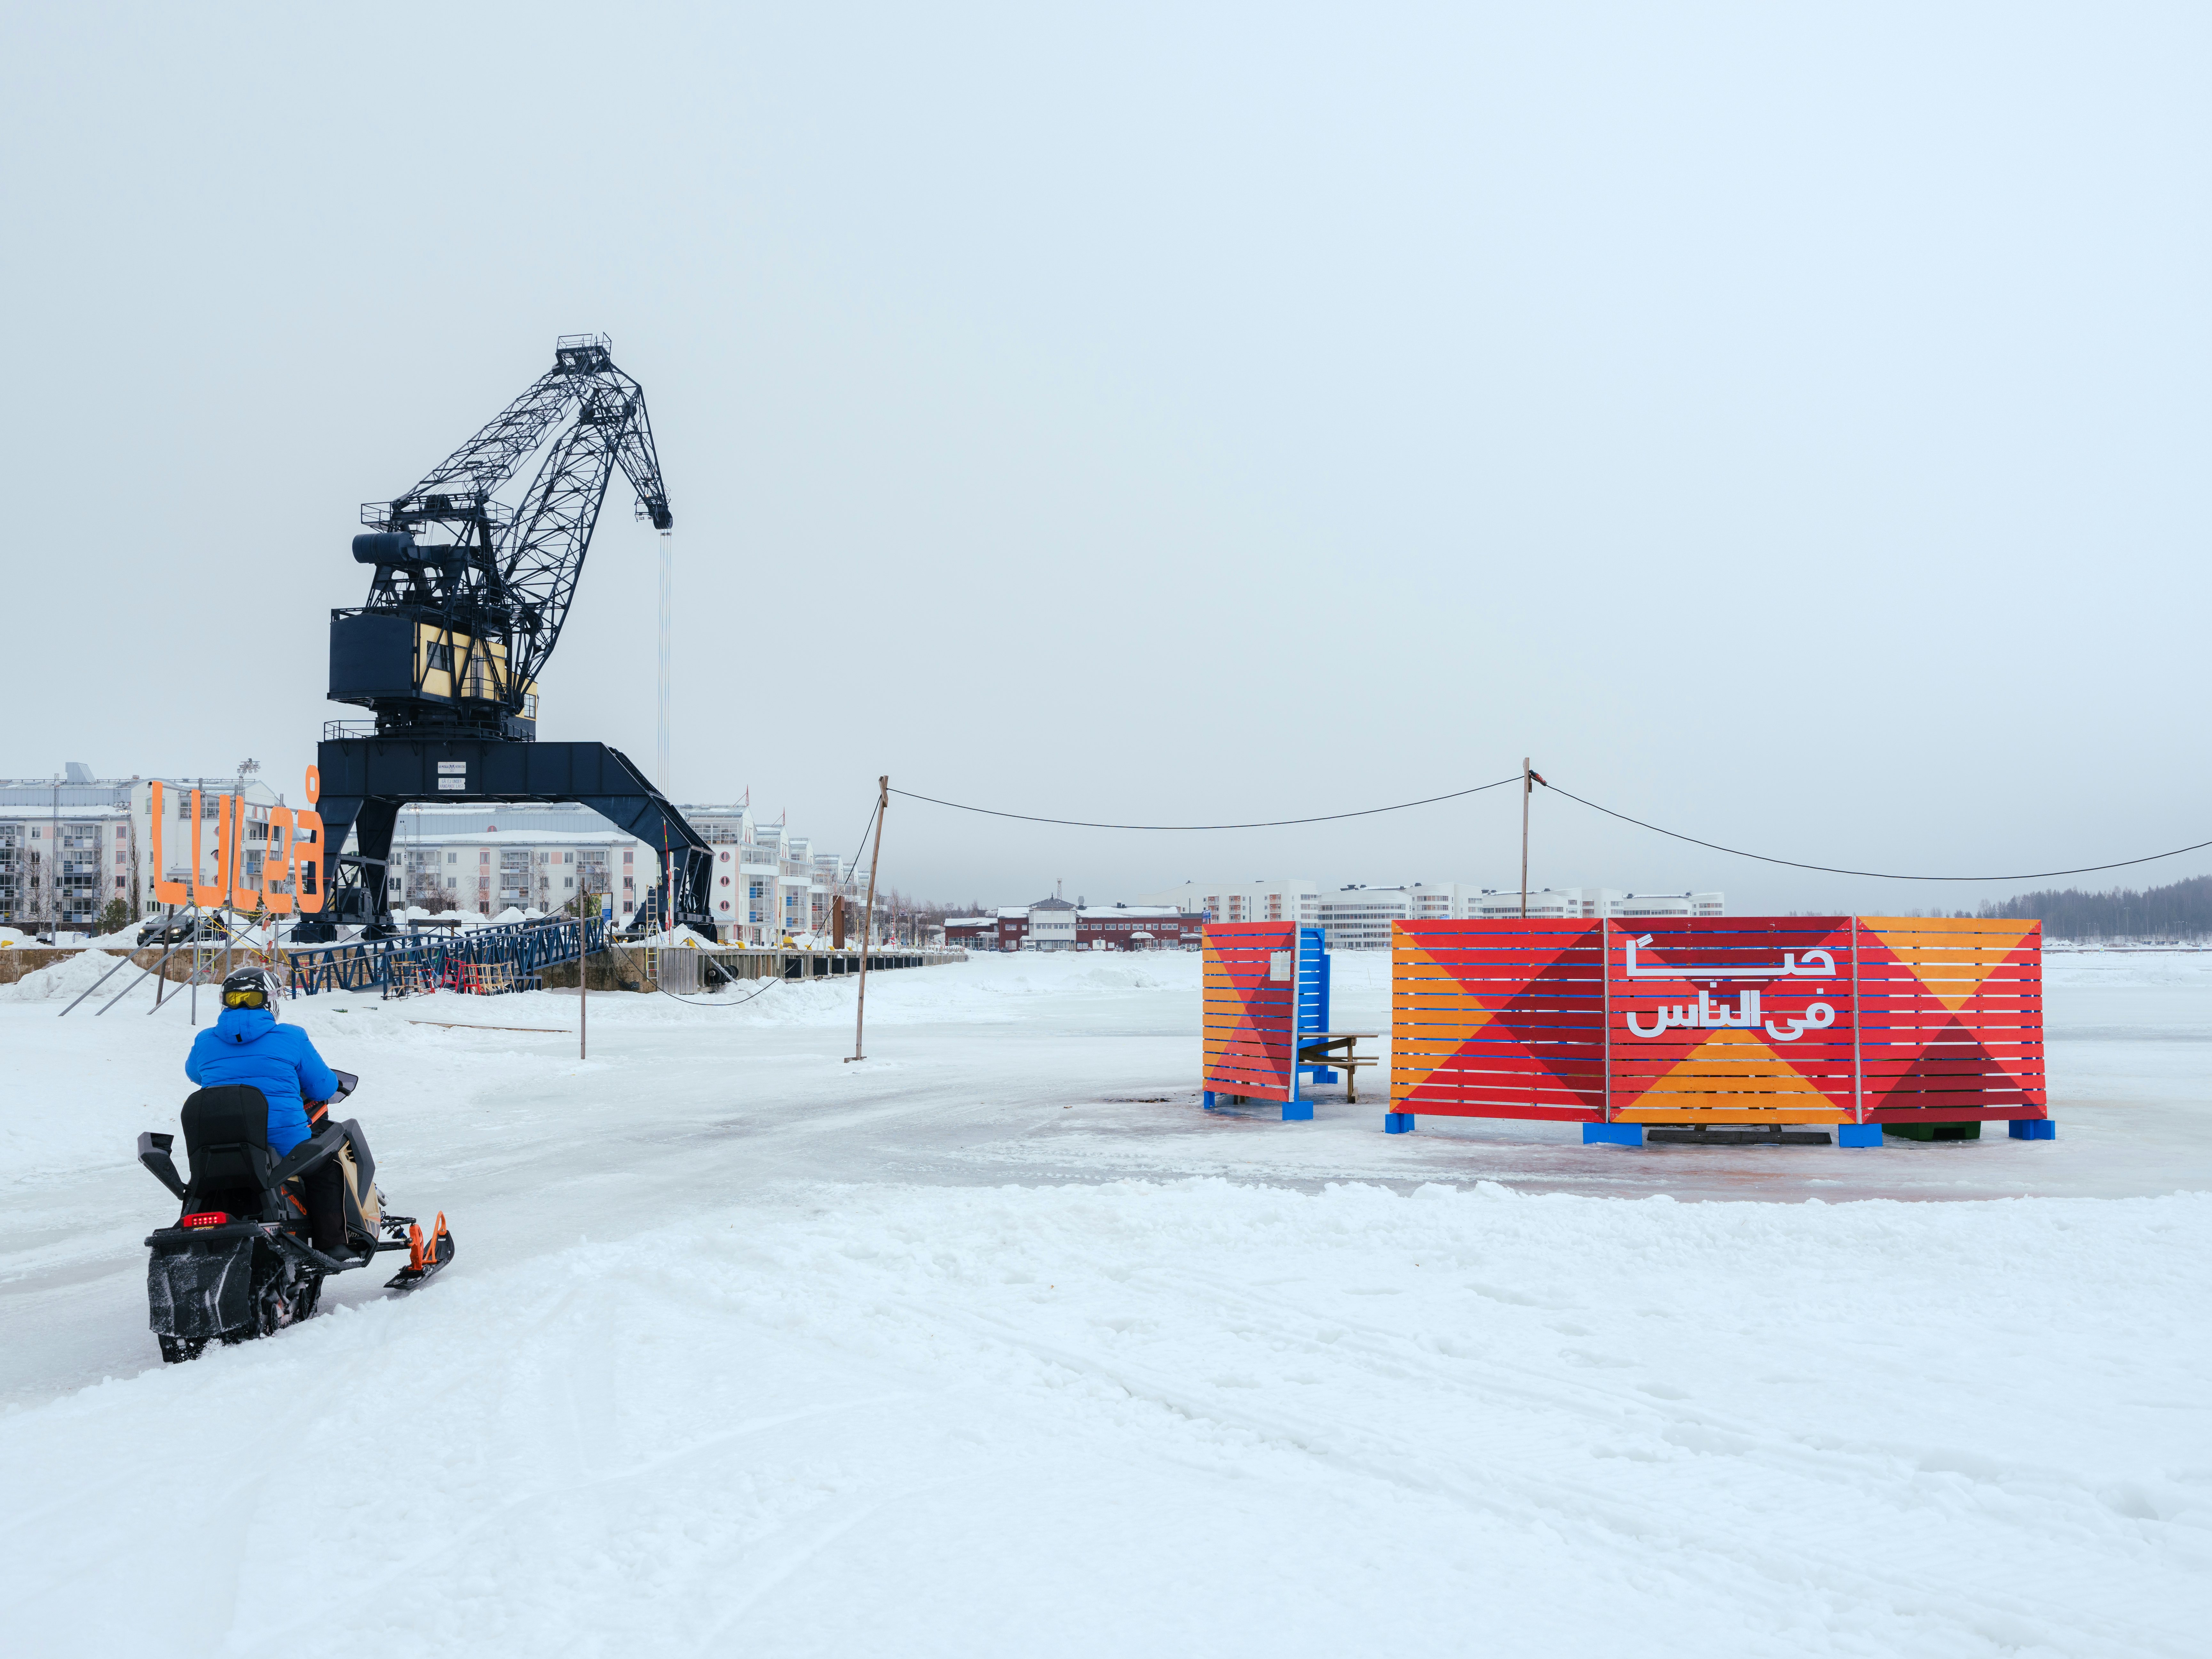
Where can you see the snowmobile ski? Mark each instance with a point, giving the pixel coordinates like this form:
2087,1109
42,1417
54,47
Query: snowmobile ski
424,1256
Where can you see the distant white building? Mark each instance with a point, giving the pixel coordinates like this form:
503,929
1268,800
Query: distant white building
1359,918
1055,925
1667,905
1561,903
1552,903
1052,925
1297,899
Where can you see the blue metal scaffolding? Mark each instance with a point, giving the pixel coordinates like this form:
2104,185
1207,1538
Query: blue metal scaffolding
507,957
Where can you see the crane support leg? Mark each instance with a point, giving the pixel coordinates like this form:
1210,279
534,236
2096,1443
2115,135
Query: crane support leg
365,780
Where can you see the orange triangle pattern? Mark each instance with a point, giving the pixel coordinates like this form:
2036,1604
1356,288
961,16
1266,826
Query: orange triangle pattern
1444,1022
1700,1083
1951,972
1216,979
1733,1053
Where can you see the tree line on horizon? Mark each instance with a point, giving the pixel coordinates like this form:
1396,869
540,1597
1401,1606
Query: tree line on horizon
2182,909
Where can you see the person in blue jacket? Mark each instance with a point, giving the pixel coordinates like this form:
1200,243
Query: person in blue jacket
248,1045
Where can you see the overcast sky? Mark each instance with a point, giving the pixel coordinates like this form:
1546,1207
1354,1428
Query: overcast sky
1787,424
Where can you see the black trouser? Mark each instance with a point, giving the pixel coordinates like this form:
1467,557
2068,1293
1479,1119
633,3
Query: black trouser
325,1206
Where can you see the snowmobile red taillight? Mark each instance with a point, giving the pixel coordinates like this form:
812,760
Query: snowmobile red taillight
205,1218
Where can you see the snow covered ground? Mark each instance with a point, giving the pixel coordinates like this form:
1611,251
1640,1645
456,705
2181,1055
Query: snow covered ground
994,1343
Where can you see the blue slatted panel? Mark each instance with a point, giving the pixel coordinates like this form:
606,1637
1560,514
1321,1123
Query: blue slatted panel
1313,981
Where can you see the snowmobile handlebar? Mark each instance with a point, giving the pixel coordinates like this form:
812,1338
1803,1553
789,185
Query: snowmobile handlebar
153,1153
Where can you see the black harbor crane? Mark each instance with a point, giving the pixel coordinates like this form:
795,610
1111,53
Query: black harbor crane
465,608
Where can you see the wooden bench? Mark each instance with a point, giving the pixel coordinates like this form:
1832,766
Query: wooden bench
1331,1049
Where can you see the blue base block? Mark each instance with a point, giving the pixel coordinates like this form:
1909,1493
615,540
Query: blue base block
1297,1111
1612,1134
1859,1134
1397,1123
2032,1128
1206,1100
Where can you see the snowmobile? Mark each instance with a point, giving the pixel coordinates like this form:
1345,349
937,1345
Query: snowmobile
237,1262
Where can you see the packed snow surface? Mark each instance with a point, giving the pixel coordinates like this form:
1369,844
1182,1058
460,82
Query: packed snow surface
994,1343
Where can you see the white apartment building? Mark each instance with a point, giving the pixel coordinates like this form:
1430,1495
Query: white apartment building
493,858
763,885
1295,899
1438,901
71,846
773,884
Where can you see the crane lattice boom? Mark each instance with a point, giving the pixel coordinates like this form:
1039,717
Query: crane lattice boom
475,613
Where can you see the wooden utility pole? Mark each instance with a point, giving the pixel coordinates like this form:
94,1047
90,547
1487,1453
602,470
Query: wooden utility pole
1526,789
868,920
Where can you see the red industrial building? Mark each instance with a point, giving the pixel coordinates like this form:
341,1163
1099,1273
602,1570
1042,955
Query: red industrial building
1057,925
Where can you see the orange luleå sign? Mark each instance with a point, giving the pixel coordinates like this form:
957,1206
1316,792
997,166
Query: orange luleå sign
1710,1019
288,880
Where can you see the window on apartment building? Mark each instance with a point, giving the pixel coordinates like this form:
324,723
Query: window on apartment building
629,855
453,857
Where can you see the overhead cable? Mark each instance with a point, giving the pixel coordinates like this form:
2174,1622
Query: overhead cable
1272,823
1538,777
1878,875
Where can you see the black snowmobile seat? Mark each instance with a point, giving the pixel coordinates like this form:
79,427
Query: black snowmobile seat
227,1138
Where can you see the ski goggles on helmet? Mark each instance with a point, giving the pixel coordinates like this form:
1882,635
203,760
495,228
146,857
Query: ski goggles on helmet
255,998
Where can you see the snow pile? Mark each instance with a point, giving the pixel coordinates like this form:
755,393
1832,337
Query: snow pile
1191,1417
68,978
746,1348
680,936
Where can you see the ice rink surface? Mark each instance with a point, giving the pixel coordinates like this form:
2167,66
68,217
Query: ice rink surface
994,1343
